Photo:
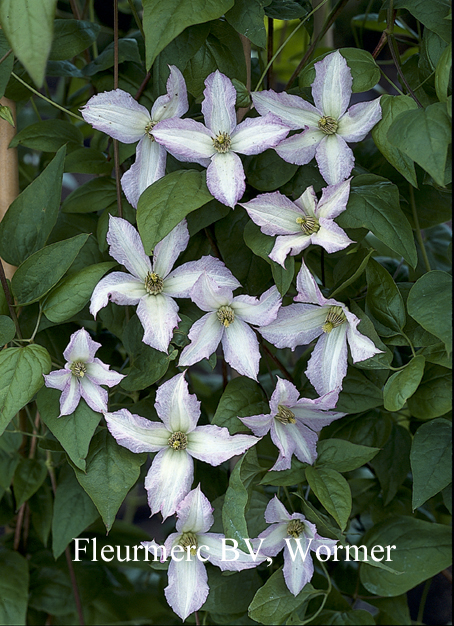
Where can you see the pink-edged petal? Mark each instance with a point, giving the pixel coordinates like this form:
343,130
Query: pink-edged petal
158,315
188,585
95,396
125,246
257,134
289,244
300,149
298,572
332,87
295,325
334,200
292,110
81,347
208,295
324,403
168,481
334,158
167,251
218,106
285,393
205,335
223,557
118,287
241,349
195,513
58,379
274,213
178,409
258,311
225,178
282,437
154,549
180,282
277,513
149,166
361,347
272,540
136,433
330,236
308,290
259,424
327,366
359,120
214,444
175,102
307,202
117,114
70,397
100,374
304,442
322,544
314,418
186,139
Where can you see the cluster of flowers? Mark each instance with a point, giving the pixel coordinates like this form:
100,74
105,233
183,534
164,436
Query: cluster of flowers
233,321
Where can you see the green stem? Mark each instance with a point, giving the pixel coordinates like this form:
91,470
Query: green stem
409,342
422,604
418,229
91,12
385,76
136,17
288,499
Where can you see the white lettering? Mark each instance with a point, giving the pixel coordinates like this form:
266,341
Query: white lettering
388,552
79,549
104,550
356,550
299,550
199,555
119,554
380,550
254,555
323,550
226,548
175,549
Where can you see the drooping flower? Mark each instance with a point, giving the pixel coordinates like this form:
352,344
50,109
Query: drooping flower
328,126
302,222
216,144
188,582
286,532
82,376
117,114
227,322
294,423
316,316
177,440
152,285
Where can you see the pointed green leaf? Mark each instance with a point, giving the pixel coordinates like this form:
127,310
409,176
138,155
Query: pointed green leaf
333,491
28,478
401,385
241,398
13,588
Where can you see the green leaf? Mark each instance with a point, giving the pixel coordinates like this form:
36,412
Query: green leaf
48,135
401,385
43,269
111,472
384,302
285,478
87,161
350,269
267,171
21,375
71,37
365,327
6,114
73,292
247,17
392,464
359,617
434,395
29,27
434,15
442,74
28,478
13,588
374,204
163,22
41,511
7,65
242,586
431,460
128,50
93,196
74,431
167,201
32,215
393,611
358,393
343,455
324,524
73,511
7,330
422,550
436,353
430,304
241,398
424,136
333,491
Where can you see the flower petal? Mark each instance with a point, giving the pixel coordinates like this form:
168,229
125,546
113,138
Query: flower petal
126,247
81,347
295,325
58,379
214,444
304,442
100,374
169,480
70,397
225,178
289,244
285,393
328,363
257,134
208,295
224,558
117,114
334,200
300,149
180,282
292,110
178,409
149,166
361,347
158,315
274,213
282,437
205,335
186,139
118,287
95,396
334,158
241,349
313,417
188,585
218,106
175,102
308,290
332,87
330,236
276,512
359,120
167,251
136,433
258,311
298,572
307,202
259,424
195,513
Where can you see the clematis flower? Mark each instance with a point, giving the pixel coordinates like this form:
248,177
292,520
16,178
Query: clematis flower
302,222
117,114
328,126
188,582
216,144
152,285
177,440
294,423
316,316
286,532
227,322
82,376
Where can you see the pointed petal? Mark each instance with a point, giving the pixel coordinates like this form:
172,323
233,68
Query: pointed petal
304,442
259,424
178,409
257,134
332,87
167,251
95,396
361,347
285,393
126,247
276,512
100,374
359,120
292,110
241,349
289,244
119,287
188,586
70,397
117,114
136,433
218,106
225,178
205,335
179,283
149,166
158,315
330,236
307,407
295,325
334,200
209,296
58,379
300,149
308,290
81,347
322,544
307,202
175,102
314,418
258,311
214,444
195,513
168,481
328,363
274,213
186,139
297,573
334,158
215,554
282,437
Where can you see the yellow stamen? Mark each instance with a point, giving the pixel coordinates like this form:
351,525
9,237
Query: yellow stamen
295,528
328,125
153,283
79,369
225,315
222,142
284,415
309,225
178,441
336,317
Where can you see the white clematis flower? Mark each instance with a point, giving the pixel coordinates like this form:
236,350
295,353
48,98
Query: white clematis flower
300,223
152,284
316,316
177,440
117,114
294,423
216,144
188,582
328,126
82,376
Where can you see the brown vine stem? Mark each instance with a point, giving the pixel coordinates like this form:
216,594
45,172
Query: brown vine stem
6,55
115,141
274,358
381,44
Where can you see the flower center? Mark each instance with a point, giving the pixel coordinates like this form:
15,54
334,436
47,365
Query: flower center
225,315
149,127
328,125
153,284
178,441
284,415
222,142
189,540
79,369
336,317
295,528
309,225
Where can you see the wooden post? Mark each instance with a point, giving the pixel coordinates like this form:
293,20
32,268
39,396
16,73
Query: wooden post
9,173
